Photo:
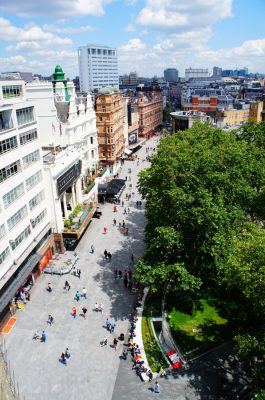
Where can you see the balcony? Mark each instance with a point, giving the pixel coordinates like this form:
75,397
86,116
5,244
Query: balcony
78,220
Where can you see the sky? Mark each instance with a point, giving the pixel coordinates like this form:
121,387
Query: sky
150,35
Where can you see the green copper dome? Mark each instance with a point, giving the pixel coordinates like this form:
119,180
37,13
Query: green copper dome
58,74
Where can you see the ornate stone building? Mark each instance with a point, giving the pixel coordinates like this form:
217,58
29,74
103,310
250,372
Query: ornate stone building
110,126
150,109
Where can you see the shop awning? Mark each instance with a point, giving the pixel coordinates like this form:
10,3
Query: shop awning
127,152
18,280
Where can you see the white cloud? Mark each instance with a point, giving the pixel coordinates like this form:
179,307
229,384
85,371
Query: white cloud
133,46
28,33
130,28
54,8
68,30
183,14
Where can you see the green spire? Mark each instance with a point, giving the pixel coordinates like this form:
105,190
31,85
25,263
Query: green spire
58,76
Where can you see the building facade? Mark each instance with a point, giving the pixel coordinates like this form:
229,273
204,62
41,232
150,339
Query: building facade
98,67
171,75
182,120
110,125
196,73
25,230
150,110
68,136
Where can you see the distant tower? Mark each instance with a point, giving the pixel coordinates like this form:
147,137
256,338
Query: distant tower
58,76
171,75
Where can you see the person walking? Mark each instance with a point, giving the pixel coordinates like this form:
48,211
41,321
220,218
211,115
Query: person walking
115,342
157,387
114,222
84,293
101,307
77,295
92,248
104,342
112,328
49,287
124,211
43,336
105,253
74,311
67,353
78,271
84,310
74,271
109,256
96,307
67,286
63,358
137,203
50,319
123,223
105,230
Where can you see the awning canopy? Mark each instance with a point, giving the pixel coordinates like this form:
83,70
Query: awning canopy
127,151
114,187
19,278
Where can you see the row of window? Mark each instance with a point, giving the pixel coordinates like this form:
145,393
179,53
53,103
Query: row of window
25,116
18,216
31,158
28,136
12,91
8,144
36,200
19,239
101,51
4,255
39,218
2,231
14,194
10,170
33,180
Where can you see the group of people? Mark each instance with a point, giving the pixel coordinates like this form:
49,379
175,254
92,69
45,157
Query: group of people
107,255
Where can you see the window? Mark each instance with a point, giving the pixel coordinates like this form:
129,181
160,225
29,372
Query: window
103,109
8,144
12,91
4,255
25,116
31,158
36,200
28,136
88,51
18,216
39,218
6,120
91,140
2,231
9,170
33,180
14,194
92,153
19,239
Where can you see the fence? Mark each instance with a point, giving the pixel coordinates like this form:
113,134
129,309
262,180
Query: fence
9,388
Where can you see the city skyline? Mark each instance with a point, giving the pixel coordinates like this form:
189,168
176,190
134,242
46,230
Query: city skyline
150,35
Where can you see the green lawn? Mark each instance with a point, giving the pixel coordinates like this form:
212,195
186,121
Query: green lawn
196,331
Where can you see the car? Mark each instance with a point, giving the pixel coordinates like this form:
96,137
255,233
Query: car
174,359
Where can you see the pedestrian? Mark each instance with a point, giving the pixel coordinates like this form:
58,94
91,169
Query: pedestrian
128,210
114,222
105,253
115,342
122,203
150,375
92,248
140,204
107,324
50,320
84,292
67,286
84,310
101,307
63,359
43,336
124,211
74,311
124,354
109,256
104,342
105,230
137,203
36,335
49,288
77,295
67,353
74,271
157,387
123,224
78,271
112,328
96,307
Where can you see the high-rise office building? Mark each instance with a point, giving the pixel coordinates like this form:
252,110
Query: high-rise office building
171,75
98,67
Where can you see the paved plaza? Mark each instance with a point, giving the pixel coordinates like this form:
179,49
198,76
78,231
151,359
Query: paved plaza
95,372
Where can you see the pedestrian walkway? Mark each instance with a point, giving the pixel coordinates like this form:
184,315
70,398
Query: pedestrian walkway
91,368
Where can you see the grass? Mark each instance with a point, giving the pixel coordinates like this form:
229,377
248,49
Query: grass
198,331
153,353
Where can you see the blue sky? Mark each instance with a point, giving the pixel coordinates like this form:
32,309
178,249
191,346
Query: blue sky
150,35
